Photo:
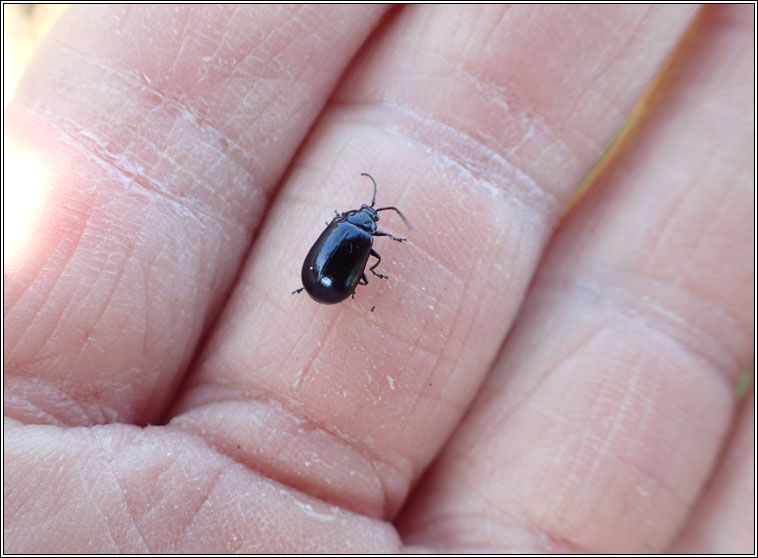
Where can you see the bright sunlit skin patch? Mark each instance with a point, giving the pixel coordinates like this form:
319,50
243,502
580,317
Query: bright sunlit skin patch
27,182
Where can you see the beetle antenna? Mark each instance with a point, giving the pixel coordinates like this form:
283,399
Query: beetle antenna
373,200
393,208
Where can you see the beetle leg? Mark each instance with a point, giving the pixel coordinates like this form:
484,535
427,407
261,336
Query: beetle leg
362,281
297,290
397,238
378,259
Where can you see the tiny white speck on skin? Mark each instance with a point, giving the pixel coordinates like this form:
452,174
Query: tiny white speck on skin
431,307
309,511
299,378
391,381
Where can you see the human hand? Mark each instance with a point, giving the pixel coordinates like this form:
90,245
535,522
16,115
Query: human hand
572,387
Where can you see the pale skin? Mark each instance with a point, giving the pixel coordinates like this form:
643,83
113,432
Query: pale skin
530,380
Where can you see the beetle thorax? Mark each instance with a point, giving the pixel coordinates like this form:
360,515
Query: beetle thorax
365,218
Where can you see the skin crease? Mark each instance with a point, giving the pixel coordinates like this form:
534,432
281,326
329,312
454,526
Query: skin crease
525,383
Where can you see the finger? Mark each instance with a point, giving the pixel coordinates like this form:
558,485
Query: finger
606,412
479,150
146,141
724,518
154,490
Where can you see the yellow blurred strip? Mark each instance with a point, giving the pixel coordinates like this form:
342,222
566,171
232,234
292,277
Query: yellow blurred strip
24,26
632,124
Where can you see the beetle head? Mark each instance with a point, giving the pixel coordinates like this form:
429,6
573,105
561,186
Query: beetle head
368,210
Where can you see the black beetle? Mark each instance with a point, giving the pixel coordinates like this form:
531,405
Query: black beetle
337,261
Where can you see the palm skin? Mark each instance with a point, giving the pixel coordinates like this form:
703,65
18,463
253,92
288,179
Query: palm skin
532,379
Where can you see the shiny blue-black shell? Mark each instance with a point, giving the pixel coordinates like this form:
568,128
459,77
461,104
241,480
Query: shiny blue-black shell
337,260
